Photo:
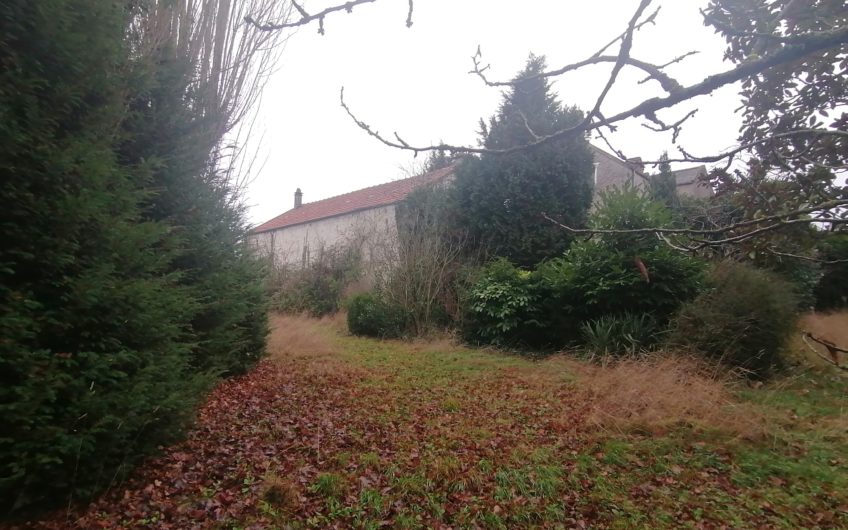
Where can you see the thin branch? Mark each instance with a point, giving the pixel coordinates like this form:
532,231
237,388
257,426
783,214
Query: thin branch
801,47
662,126
829,345
306,18
668,83
687,157
620,154
832,349
808,258
776,220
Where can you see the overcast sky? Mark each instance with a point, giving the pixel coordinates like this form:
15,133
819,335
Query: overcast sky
415,81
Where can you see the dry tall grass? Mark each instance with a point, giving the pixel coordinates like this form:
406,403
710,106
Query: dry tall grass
660,392
828,326
307,344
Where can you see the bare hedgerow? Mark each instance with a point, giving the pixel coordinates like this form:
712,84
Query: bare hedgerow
420,268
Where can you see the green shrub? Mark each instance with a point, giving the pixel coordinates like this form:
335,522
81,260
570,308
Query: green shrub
831,292
371,316
622,334
600,280
743,319
605,275
502,307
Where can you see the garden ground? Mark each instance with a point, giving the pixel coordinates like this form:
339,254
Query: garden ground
333,431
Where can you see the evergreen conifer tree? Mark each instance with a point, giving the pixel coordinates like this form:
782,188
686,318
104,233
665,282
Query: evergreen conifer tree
663,185
125,284
499,199
95,352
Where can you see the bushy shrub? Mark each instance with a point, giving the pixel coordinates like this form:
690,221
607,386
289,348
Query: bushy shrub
502,306
610,274
614,274
743,319
622,334
601,280
831,292
319,287
371,316
419,269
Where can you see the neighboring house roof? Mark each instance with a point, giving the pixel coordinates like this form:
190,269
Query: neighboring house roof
614,171
364,199
396,191
688,181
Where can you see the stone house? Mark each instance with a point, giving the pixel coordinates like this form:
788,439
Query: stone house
367,217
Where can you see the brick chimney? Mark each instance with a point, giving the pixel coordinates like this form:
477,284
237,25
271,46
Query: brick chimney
298,198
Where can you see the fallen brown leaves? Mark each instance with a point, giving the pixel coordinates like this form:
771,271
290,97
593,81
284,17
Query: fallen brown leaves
333,432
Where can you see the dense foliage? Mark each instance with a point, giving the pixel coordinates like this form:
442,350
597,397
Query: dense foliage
500,198
609,275
831,292
370,315
502,307
742,320
124,284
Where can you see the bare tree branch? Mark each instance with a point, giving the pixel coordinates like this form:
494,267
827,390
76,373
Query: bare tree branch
306,18
662,126
688,157
771,222
807,258
801,46
655,72
832,349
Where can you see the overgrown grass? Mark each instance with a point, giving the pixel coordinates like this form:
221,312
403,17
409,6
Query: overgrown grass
358,433
500,441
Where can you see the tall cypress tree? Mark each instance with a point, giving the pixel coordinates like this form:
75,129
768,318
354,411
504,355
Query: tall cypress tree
663,185
181,147
95,349
125,285
500,198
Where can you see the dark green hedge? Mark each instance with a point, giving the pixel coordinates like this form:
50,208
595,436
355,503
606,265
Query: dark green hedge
125,288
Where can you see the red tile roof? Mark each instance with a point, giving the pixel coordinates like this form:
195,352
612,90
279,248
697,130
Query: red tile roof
364,199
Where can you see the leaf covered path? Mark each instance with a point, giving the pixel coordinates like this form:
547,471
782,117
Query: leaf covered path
338,432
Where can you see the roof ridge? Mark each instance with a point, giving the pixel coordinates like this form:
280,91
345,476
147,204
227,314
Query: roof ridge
368,197
375,186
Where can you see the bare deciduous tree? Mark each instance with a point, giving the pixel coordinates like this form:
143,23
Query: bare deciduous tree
232,61
789,57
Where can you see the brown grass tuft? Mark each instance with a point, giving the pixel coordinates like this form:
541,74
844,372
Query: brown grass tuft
299,335
280,493
660,392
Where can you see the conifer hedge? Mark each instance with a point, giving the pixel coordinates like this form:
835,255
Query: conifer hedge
125,287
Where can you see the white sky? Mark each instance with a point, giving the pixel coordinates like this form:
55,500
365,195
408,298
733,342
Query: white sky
415,81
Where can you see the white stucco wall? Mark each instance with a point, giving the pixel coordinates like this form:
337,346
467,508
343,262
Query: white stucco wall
368,229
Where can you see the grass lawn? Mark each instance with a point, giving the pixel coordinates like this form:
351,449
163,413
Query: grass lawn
333,431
